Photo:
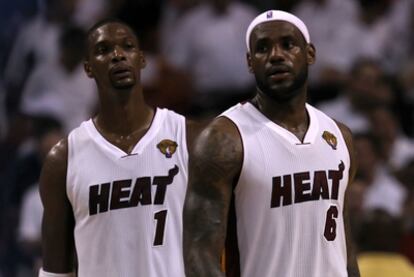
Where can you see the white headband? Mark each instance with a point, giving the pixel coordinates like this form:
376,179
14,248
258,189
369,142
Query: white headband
274,15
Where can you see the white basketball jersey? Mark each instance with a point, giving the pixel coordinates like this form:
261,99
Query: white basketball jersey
128,207
289,197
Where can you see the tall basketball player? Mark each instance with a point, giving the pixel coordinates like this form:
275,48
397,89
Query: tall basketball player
114,190
283,166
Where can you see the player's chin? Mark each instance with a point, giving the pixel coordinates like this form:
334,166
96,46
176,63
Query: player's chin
282,93
124,84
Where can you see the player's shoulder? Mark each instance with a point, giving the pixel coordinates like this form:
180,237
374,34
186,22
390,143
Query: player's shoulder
58,155
54,168
221,133
345,130
347,135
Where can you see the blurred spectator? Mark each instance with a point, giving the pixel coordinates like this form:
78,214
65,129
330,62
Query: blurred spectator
21,172
379,32
264,5
379,241
12,15
3,116
210,46
406,177
29,229
383,189
88,12
323,19
367,88
36,43
406,79
164,85
172,13
395,148
61,88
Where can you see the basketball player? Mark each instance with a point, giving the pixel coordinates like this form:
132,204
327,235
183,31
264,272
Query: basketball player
286,164
114,190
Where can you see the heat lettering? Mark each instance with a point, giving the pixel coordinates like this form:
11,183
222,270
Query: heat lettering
123,195
305,189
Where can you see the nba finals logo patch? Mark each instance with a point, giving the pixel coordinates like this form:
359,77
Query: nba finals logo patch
269,14
167,147
330,139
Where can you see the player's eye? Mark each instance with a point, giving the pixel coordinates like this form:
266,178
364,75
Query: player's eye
288,43
101,49
129,45
261,47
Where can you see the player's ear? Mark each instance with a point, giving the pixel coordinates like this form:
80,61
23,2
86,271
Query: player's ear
310,53
249,62
88,69
142,59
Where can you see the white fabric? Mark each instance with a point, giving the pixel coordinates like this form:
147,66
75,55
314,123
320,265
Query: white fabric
43,273
120,240
288,240
277,15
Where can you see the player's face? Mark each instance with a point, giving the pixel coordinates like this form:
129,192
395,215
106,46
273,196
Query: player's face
279,59
114,57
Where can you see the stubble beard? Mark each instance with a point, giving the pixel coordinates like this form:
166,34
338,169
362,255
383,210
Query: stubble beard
284,93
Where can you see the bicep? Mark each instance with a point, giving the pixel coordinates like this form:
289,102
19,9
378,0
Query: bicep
58,220
214,165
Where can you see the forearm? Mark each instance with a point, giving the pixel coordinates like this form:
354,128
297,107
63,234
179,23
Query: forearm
203,239
353,270
352,265
199,263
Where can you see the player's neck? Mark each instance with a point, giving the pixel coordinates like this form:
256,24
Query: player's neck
124,114
291,112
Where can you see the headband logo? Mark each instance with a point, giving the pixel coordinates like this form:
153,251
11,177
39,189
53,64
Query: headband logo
269,14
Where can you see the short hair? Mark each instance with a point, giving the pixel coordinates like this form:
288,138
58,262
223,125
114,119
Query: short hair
106,21
100,24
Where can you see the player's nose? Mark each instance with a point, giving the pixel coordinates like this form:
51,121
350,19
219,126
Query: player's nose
118,54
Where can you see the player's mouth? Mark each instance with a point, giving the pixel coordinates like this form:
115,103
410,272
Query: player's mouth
277,73
121,72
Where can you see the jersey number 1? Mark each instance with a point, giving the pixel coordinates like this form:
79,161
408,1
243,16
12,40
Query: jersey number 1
160,217
330,224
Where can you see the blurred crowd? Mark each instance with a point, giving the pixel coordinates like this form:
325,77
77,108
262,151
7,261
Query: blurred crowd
195,53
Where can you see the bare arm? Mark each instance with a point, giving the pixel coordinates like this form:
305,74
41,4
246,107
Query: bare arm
352,266
58,221
193,129
215,164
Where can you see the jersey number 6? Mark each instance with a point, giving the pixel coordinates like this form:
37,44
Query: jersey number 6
330,224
